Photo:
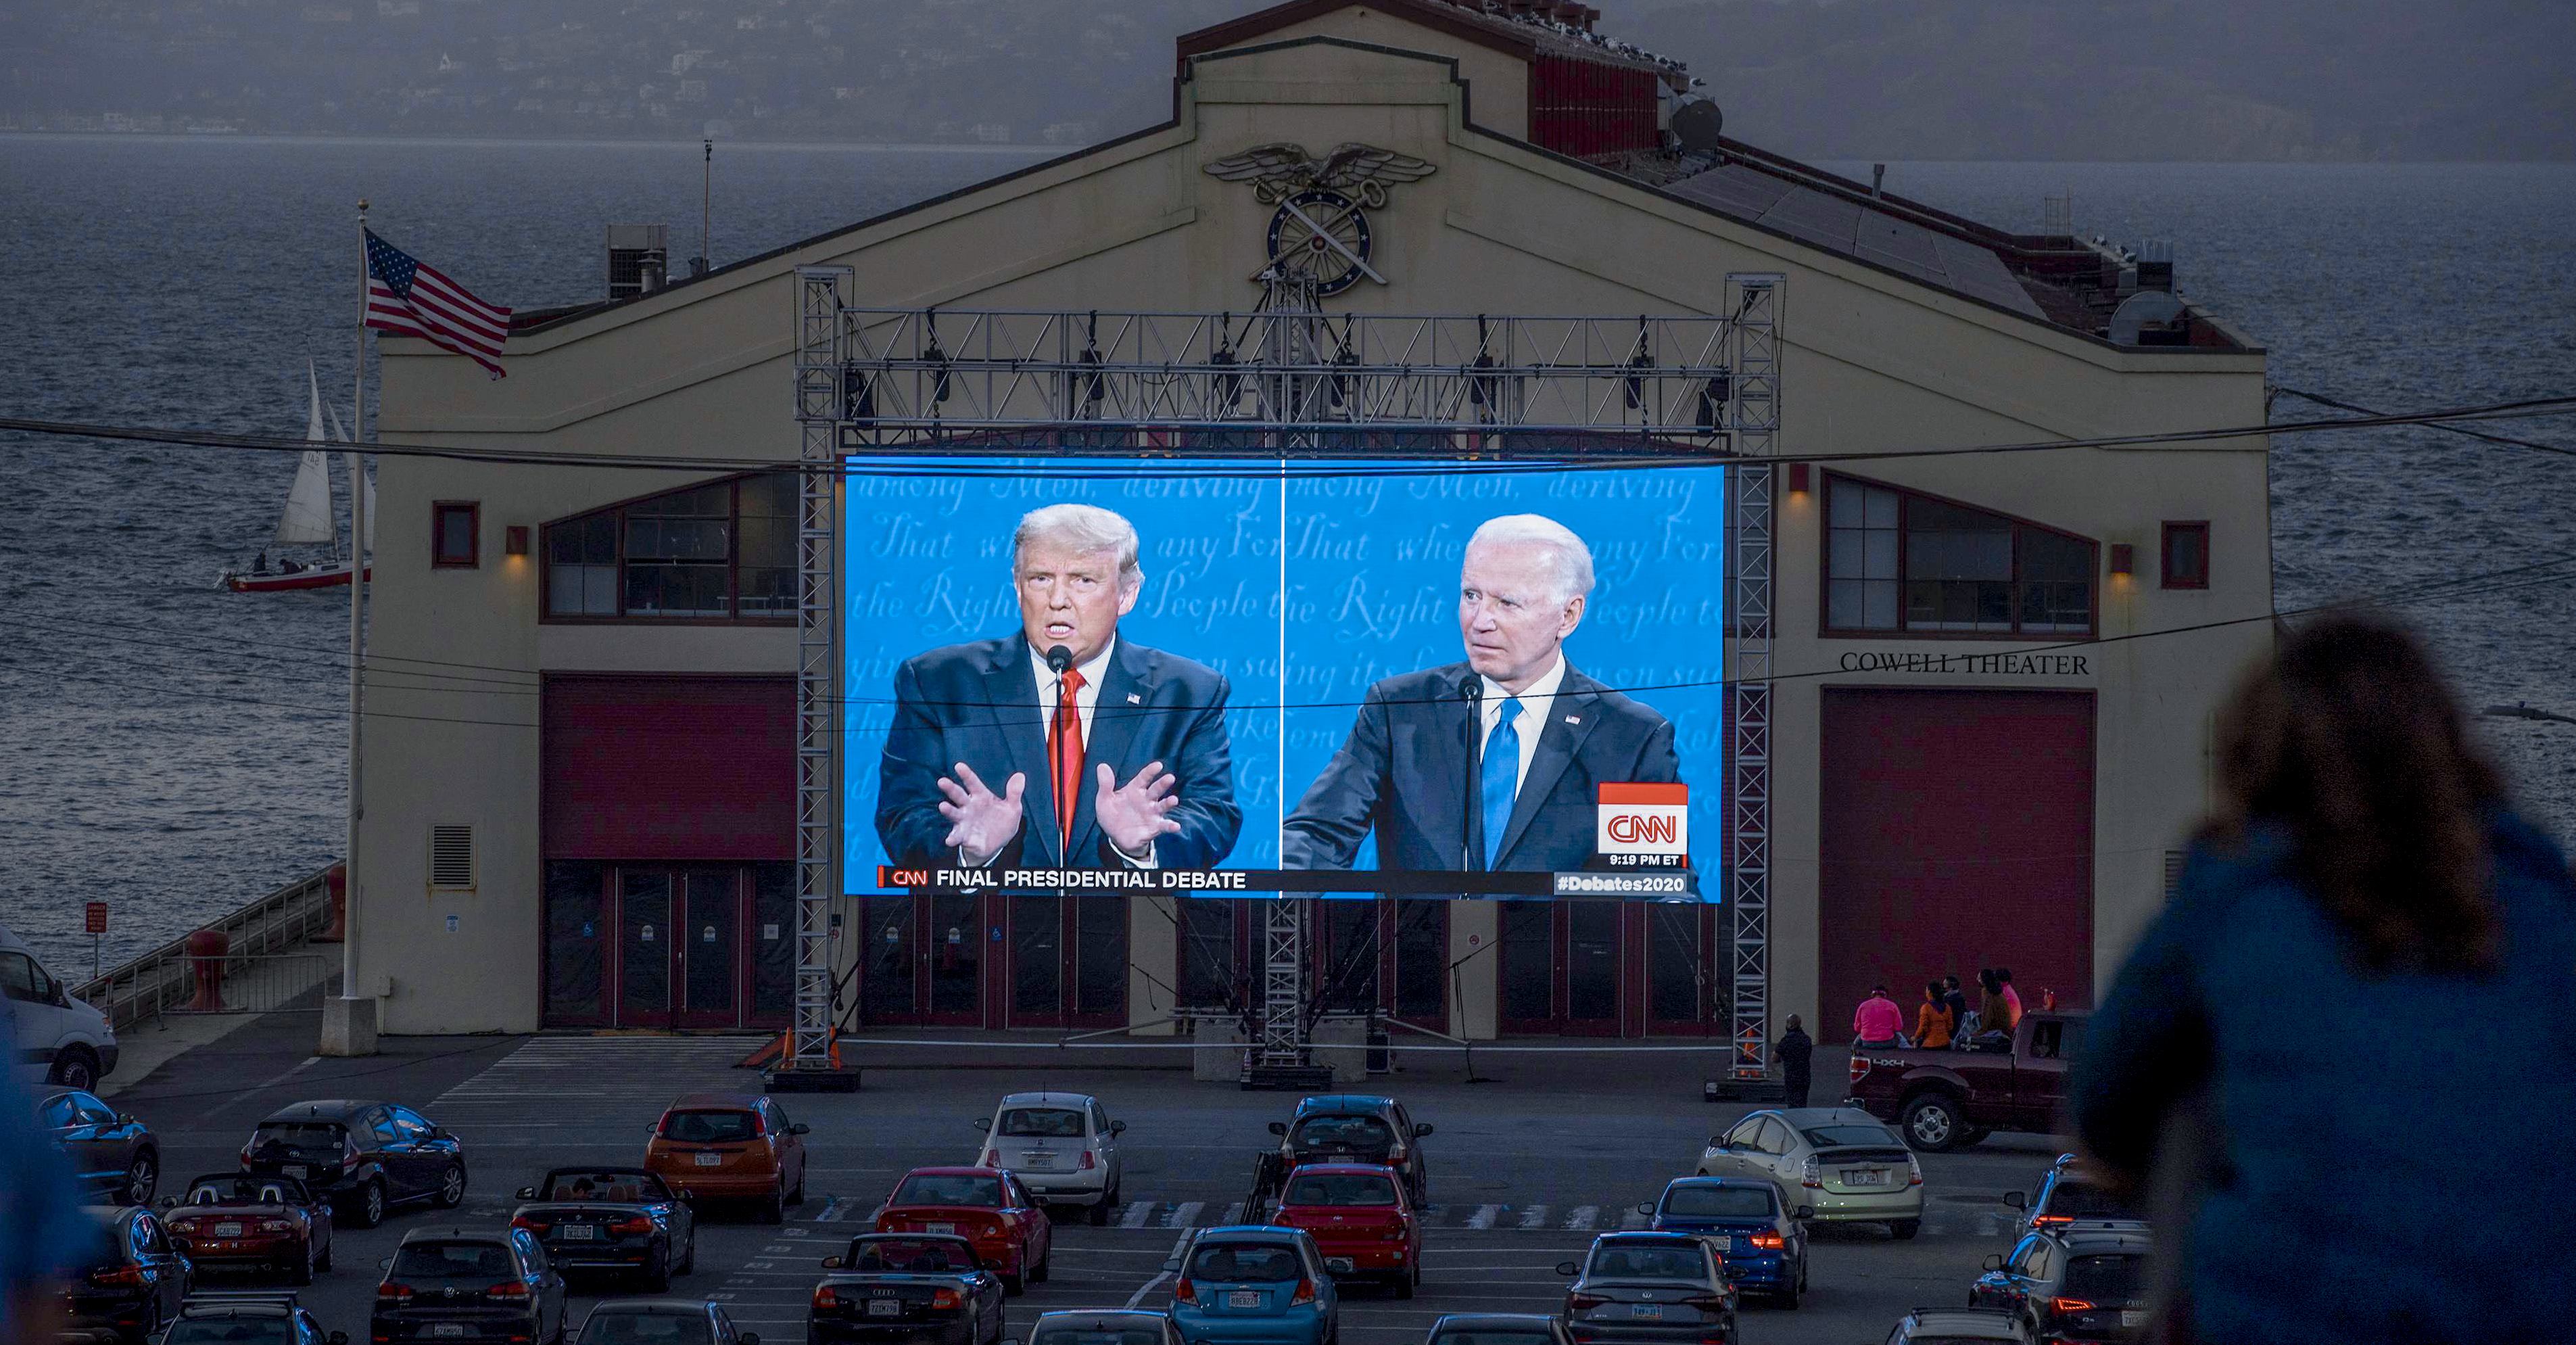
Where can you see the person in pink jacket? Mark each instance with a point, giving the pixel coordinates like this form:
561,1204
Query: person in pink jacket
1878,1021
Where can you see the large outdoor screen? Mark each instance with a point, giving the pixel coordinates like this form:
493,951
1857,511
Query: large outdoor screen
1428,677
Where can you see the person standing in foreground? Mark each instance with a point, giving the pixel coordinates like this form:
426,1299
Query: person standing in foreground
1795,1054
1877,1022
2364,868
44,1233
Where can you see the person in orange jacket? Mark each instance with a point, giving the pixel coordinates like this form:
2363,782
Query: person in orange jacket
1932,1021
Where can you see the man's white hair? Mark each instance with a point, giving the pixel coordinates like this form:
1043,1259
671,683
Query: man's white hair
1569,559
1084,528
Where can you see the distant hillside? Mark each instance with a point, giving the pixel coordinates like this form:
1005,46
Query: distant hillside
1894,79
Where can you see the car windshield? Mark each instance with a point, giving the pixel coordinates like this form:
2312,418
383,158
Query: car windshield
938,1189
1063,1123
258,1331
2100,1278
1339,1188
1082,1335
645,1328
486,1261
610,1188
2085,1200
909,1256
1350,1132
245,1191
1647,1261
1848,1136
1718,1202
298,1134
1245,1263
710,1127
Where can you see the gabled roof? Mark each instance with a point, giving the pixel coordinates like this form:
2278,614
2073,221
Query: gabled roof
1838,223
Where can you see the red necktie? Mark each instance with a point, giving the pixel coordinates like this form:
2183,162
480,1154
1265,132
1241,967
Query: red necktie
1064,756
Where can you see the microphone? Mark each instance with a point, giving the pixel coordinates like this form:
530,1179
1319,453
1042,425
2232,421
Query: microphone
1471,689
1059,658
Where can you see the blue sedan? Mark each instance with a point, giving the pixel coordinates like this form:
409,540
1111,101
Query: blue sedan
1253,1284
1763,1243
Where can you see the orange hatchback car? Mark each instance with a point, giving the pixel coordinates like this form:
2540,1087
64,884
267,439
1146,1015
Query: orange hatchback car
730,1146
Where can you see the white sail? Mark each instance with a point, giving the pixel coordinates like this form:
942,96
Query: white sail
308,504
341,435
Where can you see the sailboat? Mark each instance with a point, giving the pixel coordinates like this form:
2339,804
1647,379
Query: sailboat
307,519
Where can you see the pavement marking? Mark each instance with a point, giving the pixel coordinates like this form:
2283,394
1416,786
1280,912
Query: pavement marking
1233,1214
1584,1216
831,1210
1534,1217
1136,1214
1484,1216
1635,1219
1160,1275
1185,1214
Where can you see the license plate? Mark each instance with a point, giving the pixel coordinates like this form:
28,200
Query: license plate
1040,1161
939,1228
1646,1312
1338,1264
709,1160
577,1232
295,1170
228,1230
1864,1179
2133,1319
1729,1244
1243,1298
455,1329
885,1307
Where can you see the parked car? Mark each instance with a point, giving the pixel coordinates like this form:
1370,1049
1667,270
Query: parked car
234,1317
615,1219
1357,1128
1649,1287
906,1287
2072,1194
111,1153
469,1285
661,1321
232,1221
1110,1326
1954,1326
53,1037
364,1157
1943,1099
1840,1162
1498,1328
2070,1287
730,1146
1062,1145
1361,1219
986,1206
129,1283
1254,1284
1761,1240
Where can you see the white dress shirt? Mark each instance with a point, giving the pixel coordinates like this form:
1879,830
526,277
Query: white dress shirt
1086,701
1536,704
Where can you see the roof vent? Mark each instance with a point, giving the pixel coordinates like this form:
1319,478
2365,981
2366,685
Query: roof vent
2150,318
639,259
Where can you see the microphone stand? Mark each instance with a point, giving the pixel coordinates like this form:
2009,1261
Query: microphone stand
1058,659
1472,691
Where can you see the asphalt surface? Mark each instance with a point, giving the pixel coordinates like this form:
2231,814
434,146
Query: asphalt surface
1524,1170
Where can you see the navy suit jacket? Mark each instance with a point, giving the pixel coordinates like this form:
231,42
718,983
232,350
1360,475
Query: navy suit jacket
1406,770
978,703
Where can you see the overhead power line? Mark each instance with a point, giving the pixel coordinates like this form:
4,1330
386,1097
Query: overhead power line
2506,440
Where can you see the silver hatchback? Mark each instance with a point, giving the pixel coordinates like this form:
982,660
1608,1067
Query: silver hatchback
1841,1160
1649,1287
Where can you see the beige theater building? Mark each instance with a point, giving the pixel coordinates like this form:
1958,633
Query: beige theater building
1951,786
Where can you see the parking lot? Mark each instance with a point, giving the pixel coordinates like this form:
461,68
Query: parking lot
1523,1170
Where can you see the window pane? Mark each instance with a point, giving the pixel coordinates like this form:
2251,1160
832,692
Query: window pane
773,493
599,590
599,540
1923,603
1879,611
705,502
1842,604
1881,559
1927,555
769,541
456,535
643,590
1844,553
1994,607
564,590
768,593
2045,555
563,542
1843,506
1882,508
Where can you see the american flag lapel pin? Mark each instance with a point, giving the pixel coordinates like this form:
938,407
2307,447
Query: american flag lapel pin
1574,719
1134,699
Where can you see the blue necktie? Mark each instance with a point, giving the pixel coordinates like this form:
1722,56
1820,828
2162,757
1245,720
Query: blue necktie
1501,777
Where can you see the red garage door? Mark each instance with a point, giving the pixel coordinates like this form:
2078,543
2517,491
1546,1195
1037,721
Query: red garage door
670,767
1957,834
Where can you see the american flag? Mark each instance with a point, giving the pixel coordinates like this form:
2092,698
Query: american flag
409,299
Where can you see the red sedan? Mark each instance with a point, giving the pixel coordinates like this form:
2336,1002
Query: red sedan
986,1206
1360,1219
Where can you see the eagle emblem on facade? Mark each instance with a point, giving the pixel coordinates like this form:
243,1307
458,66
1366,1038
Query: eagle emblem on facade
1321,224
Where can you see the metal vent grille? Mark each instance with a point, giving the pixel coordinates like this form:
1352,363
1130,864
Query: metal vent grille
451,857
2173,873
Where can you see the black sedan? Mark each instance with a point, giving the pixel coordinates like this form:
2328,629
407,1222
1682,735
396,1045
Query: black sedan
364,1157
231,1221
661,1321
906,1286
620,1219
465,1286
130,1282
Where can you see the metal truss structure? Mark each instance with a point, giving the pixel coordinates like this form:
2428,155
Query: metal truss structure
1281,379
1756,303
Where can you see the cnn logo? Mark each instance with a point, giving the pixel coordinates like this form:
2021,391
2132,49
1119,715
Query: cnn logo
1638,819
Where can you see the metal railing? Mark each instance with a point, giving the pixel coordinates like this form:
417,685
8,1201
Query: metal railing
284,981
162,980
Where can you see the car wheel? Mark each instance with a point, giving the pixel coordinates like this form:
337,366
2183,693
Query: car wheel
1933,1124
323,1262
657,1275
302,1274
1789,1296
1098,1215
76,1068
773,1207
451,1187
1046,1266
151,1320
689,1254
142,1177
797,1196
1403,1286
367,1207
1905,1229
1014,1285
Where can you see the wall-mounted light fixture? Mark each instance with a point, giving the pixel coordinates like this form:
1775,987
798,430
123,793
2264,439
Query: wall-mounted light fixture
514,540
1797,478
2124,560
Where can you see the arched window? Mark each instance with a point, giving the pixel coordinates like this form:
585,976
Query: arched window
1896,560
721,551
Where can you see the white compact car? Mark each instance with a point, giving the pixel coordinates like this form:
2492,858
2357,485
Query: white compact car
1062,1146
1843,1161
58,1039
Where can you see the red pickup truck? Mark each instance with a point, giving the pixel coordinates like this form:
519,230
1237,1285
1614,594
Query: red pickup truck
1942,1099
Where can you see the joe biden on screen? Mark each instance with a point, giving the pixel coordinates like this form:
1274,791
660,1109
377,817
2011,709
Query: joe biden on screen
1060,744
1489,763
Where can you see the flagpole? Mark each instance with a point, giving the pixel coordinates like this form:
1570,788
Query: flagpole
359,1040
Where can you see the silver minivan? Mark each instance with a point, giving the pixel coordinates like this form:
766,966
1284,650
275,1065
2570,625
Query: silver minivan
54,1038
